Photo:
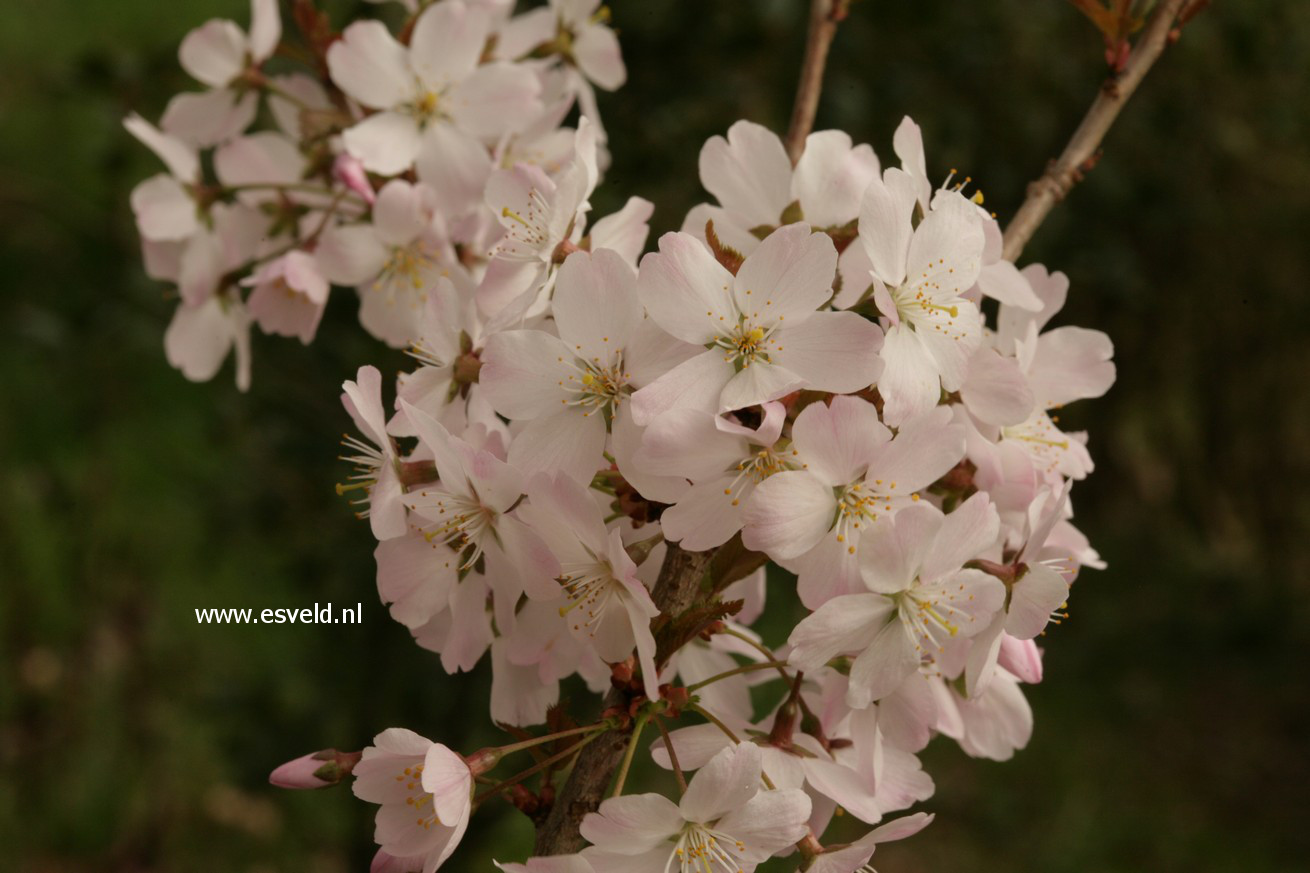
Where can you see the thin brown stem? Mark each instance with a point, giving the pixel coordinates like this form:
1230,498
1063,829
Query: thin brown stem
736,671
673,756
1083,150
536,768
824,17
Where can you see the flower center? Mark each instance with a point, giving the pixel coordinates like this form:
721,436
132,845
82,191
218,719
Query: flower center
368,460
595,386
406,268
462,523
753,470
747,343
588,585
418,799
931,616
427,107
701,849
527,231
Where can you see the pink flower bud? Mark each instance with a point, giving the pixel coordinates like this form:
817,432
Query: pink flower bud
350,172
1022,658
317,770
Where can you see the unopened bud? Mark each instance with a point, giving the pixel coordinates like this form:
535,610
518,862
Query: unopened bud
784,724
482,760
350,172
318,770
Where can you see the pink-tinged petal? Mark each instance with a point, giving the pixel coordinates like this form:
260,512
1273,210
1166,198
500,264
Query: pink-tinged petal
521,34
518,696
832,351
640,613
363,400
632,823
1022,658
447,778
263,158
842,625
201,268
757,383
568,511
851,790
906,718
686,291
910,383
892,553
769,822
952,346
447,42
399,741
726,782
696,383
180,158
207,118
996,390
748,173
530,557
998,722
595,305
968,531
350,254
1002,281
1037,594
946,250
924,449
300,90
569,441
524,373
277,309
651,353
496,99
455,165
370,66
838,440
694,745
164,210
386,515
265,29
885,227
907,143
686,443
830,569
399,215
415,577
446,450
624,231
882,667
625,443
707,515
1071,363
855,273
980,665
385,143
787,277
550,863
788,514
596,51
831,176
214,52
654,860
198,339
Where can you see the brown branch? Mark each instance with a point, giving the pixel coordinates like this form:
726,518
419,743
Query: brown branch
824,17
1083,150
678,586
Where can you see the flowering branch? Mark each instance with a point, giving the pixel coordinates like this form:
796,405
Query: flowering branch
824,17
1083,150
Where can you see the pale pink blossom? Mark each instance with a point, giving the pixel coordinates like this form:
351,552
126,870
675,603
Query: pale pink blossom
762,333
725,820
374,456
289,296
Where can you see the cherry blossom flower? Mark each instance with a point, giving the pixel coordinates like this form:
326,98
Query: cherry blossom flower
608,608
854,857
218,54
432,95
854,475
920,274
918,599
289,296
725,820
762,333
425,793
374,457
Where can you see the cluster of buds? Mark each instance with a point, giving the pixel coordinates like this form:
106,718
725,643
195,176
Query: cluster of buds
803,376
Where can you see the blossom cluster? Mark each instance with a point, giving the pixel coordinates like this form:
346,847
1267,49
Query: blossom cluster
830,369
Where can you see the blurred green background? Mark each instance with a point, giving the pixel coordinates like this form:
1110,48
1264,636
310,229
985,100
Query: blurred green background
1171,731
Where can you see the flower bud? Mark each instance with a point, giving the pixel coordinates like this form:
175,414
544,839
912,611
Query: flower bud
318,770
350,172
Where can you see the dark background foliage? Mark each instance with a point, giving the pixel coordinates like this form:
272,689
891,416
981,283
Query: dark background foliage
1171,731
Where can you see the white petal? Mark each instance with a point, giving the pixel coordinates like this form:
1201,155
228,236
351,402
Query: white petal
522,373
265,29
697,383
842,625
1002,281
831,176
946,251
910,383
832,351
207,118
758,383
596,50
595,305
749,173
1033,598
447,41
455,165
624,231
214,52
180,158
569,441
1071,363
706,516
787,277
996,391
399,215
885,228
838,440
788,514
350,255
632,823
924,449
968,531
370,66
495,99
685,289
163,209
385,143
882,667
726,782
